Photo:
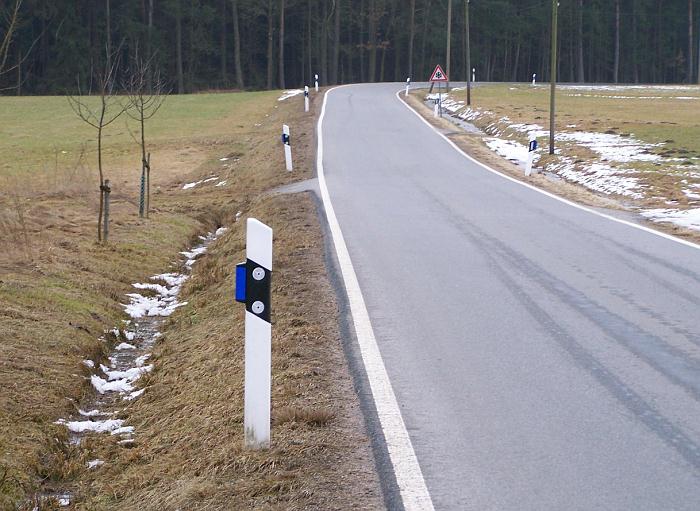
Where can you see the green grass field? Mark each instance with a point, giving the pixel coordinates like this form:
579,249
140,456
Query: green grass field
44,132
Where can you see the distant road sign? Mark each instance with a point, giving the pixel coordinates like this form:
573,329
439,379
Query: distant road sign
438,75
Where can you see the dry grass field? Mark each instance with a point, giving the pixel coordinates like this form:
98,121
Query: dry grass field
628,147
60,291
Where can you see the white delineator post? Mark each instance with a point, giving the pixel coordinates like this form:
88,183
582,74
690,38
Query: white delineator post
316,82
287,146
473,74
534,78
258,335
532,147
408,84
435,108
306,98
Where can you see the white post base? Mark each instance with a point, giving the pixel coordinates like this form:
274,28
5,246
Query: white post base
258,360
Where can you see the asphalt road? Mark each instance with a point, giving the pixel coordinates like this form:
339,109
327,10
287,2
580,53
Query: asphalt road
543,357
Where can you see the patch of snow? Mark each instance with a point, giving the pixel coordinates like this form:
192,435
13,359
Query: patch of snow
599,177
101,385
510,149
135,394
688,218
612,147
91,413
194,253
94,464
290,94
107,425
130,336
89,363
125,430
129,375
125,346
220,231
140,361
223,159
187,186
221,183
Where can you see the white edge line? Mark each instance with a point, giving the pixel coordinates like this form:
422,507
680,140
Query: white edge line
409,477
543,192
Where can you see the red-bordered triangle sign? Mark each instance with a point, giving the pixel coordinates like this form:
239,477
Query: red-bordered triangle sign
438,75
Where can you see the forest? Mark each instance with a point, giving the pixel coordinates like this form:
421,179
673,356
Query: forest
48,46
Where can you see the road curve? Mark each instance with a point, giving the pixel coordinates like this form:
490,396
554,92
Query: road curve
543,357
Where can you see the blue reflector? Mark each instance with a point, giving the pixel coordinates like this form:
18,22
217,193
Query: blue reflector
240,282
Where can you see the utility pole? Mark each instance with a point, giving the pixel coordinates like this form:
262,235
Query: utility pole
553,89
449,40
469,63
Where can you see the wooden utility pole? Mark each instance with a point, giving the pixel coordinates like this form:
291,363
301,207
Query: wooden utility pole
449,40
553,89
469,60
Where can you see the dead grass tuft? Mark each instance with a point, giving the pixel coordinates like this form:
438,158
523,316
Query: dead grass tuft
314,417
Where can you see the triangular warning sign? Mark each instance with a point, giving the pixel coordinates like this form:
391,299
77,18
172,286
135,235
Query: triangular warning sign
438,75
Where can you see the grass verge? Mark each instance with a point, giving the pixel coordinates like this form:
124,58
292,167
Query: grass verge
60,291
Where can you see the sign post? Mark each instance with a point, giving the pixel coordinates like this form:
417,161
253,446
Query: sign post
306,98
287,147
253,280
316,81
532,147
439,76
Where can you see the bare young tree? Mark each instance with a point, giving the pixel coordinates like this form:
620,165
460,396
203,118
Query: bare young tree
10,22
147,93
100,114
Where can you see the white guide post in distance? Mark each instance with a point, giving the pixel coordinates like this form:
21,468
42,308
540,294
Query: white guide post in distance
534,78
258,334
316,81
287,147
306,98
473,74
408,84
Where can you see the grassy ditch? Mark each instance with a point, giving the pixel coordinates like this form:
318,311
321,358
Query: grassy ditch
60,291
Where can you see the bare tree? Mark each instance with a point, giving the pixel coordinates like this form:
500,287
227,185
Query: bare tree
236,45
10,22
147,93
99,115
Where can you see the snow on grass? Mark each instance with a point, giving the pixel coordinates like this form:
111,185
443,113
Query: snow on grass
135,394
221,183
688,218
92,464
104,426
599,177
89,363
91,413
612,147
510,150
290,94
101,385
193,184
124,346
130,375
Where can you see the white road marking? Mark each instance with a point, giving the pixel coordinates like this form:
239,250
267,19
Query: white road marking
409,477
548,194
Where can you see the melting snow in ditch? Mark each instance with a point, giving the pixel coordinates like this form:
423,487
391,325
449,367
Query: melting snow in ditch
128,362
193,184
290,94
